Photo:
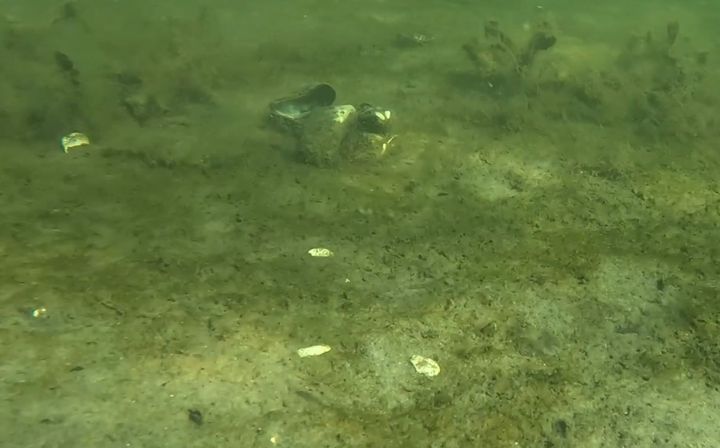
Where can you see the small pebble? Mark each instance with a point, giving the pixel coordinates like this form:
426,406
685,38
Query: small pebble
195,416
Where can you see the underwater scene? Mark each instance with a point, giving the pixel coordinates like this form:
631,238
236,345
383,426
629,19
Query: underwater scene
377,223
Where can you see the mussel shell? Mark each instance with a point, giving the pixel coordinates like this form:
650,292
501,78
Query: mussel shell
297,106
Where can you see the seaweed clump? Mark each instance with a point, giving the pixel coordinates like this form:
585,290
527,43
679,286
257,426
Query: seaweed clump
666,84
658,87
500,61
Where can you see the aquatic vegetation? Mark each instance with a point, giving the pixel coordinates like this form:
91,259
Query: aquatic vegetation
654,87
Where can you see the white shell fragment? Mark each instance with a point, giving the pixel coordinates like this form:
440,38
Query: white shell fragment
425,366
74,140
39,313
315,350
383,116
342,113
320,252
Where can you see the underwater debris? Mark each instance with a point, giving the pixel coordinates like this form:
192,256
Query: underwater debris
412,40
315,350
425,366
286,112
74,140
320,252
40,313
328,134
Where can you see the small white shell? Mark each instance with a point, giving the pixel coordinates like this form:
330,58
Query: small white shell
74,140
315,350
40,312
383,116
425,366
320,252
342,113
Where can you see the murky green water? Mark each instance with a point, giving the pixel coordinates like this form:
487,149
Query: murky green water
539,217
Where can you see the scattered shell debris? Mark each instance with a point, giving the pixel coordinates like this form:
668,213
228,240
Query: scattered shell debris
40,313
320,252
74,140
425,366
386,144
315,350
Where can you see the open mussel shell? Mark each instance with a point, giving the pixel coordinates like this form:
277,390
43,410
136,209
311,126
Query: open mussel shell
289,110
373,119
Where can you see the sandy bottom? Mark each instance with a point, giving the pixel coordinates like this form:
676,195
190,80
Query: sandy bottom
155,285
